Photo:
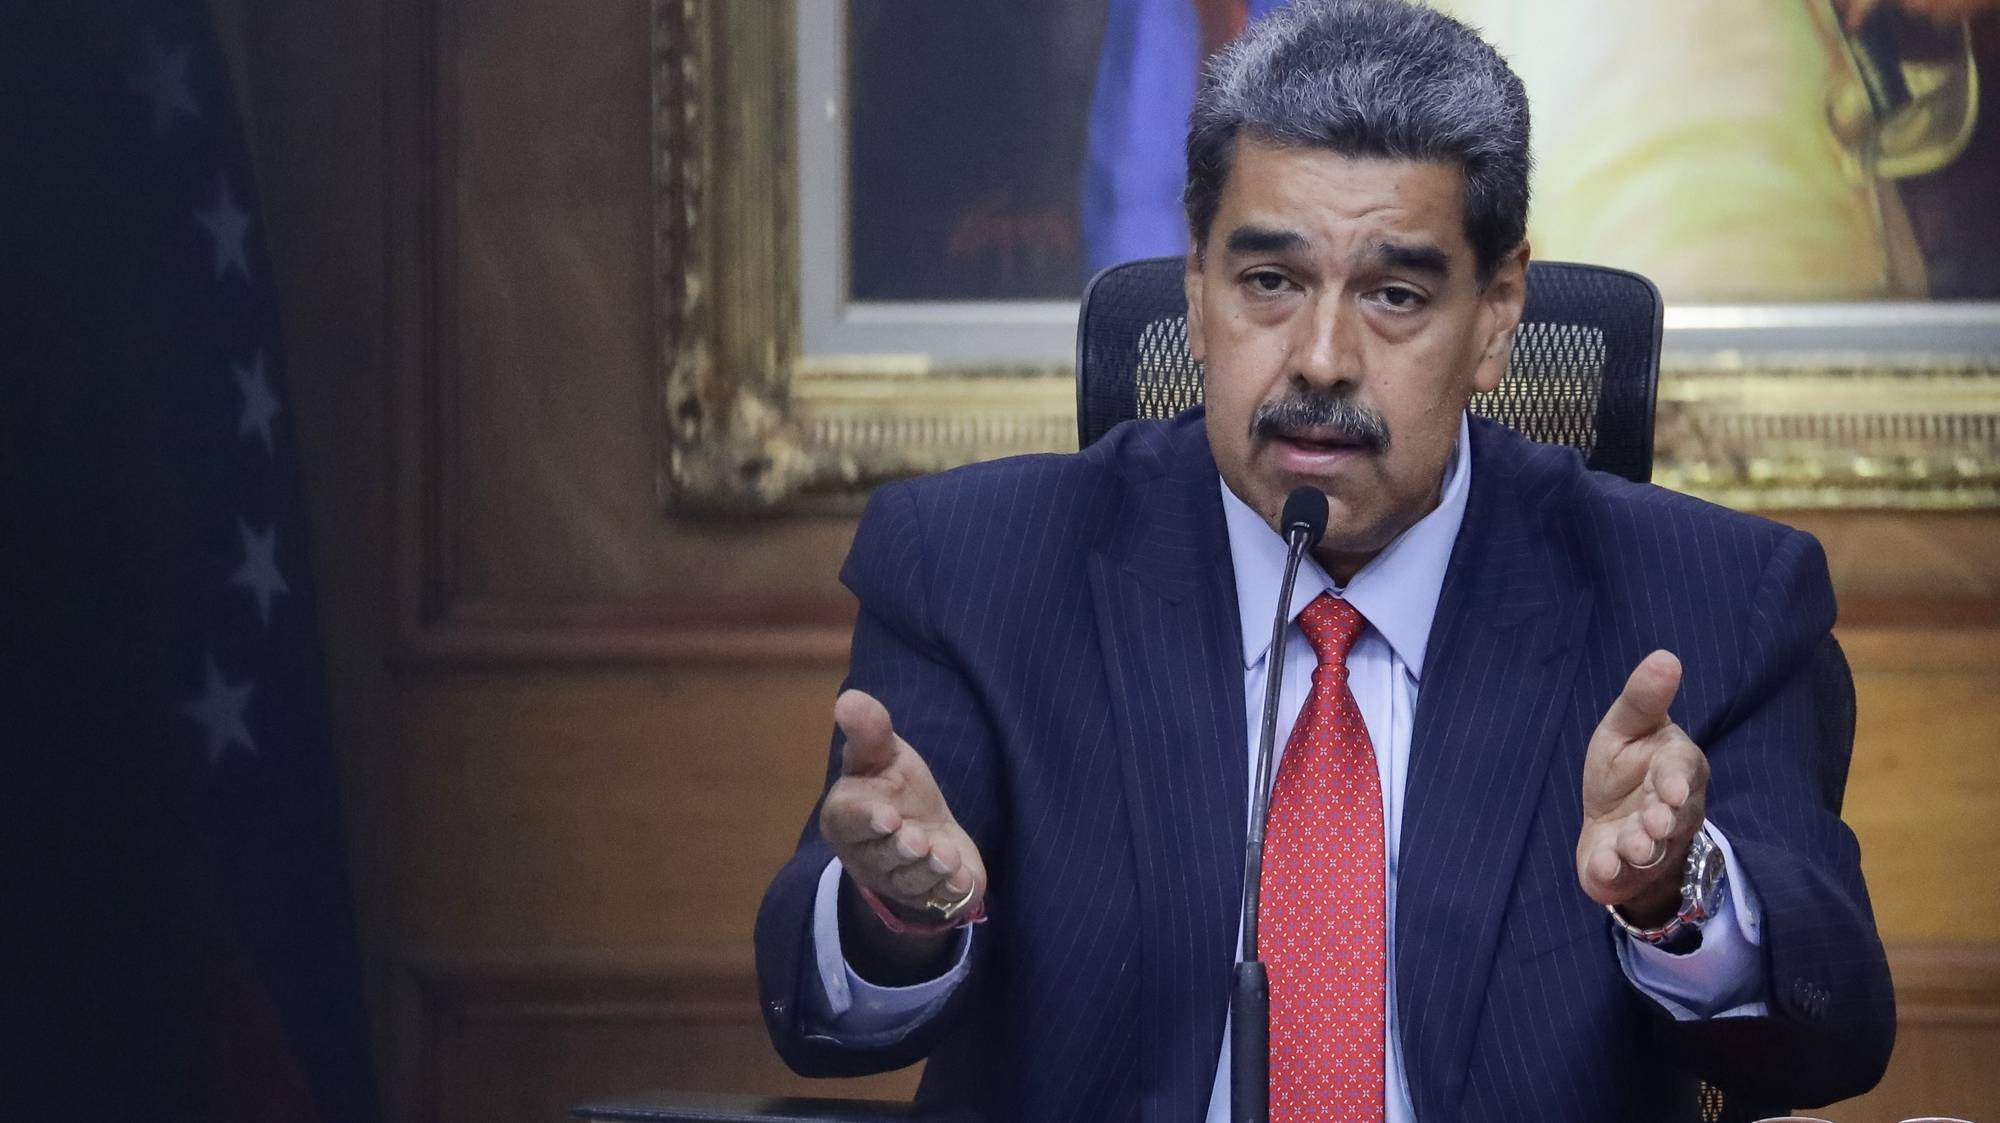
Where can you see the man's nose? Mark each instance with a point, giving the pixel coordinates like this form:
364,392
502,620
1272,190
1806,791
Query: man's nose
1325,352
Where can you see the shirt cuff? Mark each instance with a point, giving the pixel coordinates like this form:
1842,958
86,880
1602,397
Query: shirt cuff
855,1011
1724,977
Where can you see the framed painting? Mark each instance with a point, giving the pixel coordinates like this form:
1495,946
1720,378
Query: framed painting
873,218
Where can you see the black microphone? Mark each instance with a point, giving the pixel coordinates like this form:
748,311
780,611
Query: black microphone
1302,523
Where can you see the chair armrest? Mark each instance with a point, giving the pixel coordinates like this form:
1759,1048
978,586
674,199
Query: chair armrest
710,1107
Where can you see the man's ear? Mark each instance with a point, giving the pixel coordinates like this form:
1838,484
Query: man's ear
1191,282
1500,304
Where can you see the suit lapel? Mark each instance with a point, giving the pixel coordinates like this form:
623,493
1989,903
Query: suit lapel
1496,678
1166,617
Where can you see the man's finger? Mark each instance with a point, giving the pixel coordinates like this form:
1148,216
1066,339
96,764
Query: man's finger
1637,847
1658,819
849,818
1603,866
944,857
882,856
1640,710
870,737
916,882
1674,774
873,861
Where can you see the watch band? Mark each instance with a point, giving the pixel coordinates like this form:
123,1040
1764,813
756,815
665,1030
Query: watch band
1703,890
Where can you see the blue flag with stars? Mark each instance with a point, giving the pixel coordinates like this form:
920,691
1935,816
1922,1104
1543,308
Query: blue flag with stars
175,884
1135,150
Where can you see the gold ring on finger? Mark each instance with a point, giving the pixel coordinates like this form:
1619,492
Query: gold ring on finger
1659,855
947,909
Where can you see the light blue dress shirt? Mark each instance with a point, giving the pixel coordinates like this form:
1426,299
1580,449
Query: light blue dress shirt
1397,592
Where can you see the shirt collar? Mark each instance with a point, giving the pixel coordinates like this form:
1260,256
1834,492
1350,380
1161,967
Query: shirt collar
1397,591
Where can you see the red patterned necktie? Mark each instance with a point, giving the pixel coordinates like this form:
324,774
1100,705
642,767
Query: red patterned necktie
1322,906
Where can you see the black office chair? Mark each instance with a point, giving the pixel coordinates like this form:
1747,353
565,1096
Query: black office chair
1585,369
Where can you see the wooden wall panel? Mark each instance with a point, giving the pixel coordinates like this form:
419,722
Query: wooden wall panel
1933,569
1948,1034
1923,795
577,735
1941,1068
529,405
619,808
544,298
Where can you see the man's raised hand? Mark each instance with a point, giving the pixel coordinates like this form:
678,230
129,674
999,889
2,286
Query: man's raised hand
886,820
1645,791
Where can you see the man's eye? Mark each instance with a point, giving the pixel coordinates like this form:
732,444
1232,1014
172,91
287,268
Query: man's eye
1267,281
1396,296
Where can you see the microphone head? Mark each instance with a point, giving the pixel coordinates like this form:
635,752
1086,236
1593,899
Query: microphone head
1304,513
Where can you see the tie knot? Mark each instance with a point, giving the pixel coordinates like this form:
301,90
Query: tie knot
1330,625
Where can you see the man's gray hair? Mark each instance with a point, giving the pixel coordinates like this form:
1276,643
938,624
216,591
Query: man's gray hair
1382,78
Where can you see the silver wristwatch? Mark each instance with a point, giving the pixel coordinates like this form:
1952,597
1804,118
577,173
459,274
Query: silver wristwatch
1702,893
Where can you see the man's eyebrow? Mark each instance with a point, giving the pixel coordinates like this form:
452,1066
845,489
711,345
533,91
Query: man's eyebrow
1416,258
1263,239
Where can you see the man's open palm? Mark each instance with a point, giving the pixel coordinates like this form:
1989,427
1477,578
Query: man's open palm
1645,788
886,820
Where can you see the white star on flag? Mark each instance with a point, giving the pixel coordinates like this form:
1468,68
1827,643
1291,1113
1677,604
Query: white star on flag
259,571
260,405
164,82
220,711
227,225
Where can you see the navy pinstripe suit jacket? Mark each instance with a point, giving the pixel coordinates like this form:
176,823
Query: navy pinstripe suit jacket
1058,636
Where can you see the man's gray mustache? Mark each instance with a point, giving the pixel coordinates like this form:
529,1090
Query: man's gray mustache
1345,419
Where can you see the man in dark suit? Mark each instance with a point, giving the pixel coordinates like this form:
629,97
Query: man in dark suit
1549,838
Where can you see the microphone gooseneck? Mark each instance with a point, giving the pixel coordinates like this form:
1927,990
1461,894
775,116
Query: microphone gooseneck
1302,522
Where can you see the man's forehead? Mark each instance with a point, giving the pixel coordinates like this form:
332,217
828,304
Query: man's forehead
1293,199
1419,252
1260,155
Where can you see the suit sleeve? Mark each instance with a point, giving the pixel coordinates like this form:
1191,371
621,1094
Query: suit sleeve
899,656
1832,1019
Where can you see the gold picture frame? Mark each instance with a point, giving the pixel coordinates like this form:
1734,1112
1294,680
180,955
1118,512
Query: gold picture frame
1872,405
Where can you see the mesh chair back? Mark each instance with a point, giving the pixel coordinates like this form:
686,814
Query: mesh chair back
1585,366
